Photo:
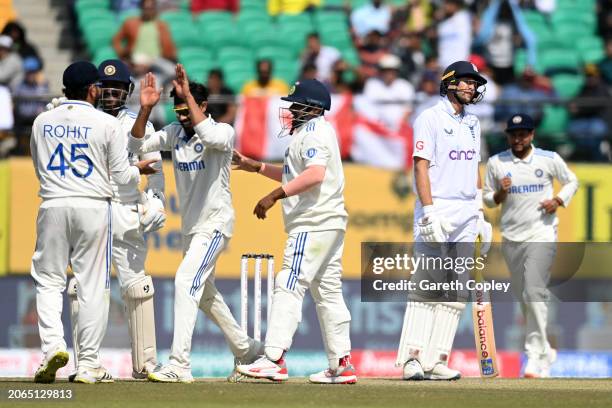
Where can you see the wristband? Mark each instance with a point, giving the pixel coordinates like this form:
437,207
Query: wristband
559,201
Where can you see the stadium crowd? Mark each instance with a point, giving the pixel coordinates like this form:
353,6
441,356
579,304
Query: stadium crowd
551,59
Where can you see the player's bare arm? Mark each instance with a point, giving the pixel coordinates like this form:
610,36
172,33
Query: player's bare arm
421,175
501,194
149,97
181,86
550,206
242,162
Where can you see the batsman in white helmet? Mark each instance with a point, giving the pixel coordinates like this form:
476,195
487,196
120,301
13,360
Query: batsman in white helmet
134,214
201,154
447,218
521,180
312,194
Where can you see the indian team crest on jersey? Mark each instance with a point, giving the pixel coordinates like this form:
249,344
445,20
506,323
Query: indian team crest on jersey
539,172
110,70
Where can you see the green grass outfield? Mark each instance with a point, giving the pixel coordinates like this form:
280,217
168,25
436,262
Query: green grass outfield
368,392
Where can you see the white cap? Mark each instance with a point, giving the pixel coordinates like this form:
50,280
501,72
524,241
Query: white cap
6,41
389,61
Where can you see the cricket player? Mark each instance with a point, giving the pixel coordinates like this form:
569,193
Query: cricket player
202,153
75,155
448,218
521,180
129,225
315,221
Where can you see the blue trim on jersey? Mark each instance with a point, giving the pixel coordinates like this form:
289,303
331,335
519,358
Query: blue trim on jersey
545,153
214,244
310,127
109,246
298,256
505,153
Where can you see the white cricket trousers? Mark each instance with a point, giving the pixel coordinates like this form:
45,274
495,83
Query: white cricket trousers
194,287
77,232
129,247
312,260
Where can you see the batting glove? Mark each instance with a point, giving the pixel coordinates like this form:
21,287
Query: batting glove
485,232
153,216
433,228
55,102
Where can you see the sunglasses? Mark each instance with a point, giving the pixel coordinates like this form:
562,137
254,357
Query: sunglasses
181,111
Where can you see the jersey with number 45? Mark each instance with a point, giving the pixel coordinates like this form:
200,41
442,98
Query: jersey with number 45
75,152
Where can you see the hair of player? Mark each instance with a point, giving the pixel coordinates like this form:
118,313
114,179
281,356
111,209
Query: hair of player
199,92
77,94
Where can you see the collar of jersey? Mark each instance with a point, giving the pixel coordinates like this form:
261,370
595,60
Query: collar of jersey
448,108
527,159
299,129
75,102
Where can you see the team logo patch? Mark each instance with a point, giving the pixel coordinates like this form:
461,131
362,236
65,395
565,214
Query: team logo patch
311,152
517,119
292,89
475,67
110,70
198,147
448,132
419,145
472,132
539,172
487,366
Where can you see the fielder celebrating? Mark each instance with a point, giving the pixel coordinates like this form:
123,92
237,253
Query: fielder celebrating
74,151
201,152
447,180
315,220
521,180
129,226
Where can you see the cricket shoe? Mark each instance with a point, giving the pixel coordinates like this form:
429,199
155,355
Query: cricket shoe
532,368
148,368
255,351
539,366
413,371
441,372
171,374
546,361
53,361
265,368
344,374
88,375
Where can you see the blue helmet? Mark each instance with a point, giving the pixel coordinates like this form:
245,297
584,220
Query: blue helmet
309,92
114,95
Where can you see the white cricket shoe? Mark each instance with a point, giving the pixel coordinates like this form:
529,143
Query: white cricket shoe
265,368
413,371
532,368
52,362
442,372
547,360
171,374
148,368
88,375
255,351
344,374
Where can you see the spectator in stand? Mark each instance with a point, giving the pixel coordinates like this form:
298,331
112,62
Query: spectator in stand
499,26
428,94
322,56
588,128
408,49
454,33
375,16
27,107
392,97
221,99
20,44
198,6
276,7
265,84
120,6
525,95
11,66
604,16
338,83
485,109
605,66
7,140
145,41
308,71
371,50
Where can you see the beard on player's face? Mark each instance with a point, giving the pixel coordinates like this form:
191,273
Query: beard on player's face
520,140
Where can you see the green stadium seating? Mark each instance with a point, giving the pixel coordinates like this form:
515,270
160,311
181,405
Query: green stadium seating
169,114
189,54
287,70
351,56
559,59
185,5
534,18
97,39
551,132
82,5
218,34
335,18
591,49
121,17
567,85
584,20
184,34
334,37
296,20
295,40
96,15
103,54
215,17
576,5
176,17
274,53
235,54
570,33
236,75
248,17
197,70
260,39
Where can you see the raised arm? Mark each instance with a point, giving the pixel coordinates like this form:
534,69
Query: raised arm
271,171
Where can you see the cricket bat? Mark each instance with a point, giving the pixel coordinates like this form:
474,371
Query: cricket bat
484,336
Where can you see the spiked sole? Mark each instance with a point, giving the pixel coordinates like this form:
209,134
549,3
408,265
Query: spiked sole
46,374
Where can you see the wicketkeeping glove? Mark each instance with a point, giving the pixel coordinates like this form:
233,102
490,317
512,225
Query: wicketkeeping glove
151,211
485,231
433,228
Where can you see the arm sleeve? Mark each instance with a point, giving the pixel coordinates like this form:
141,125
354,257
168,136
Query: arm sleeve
155,181
156,141
490,185
315,150
567,178
118,164
424,138
214,135
33,150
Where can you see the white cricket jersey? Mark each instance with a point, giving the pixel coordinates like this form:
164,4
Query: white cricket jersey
75,152
320,208
451,143
202,167
130,193
532,182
